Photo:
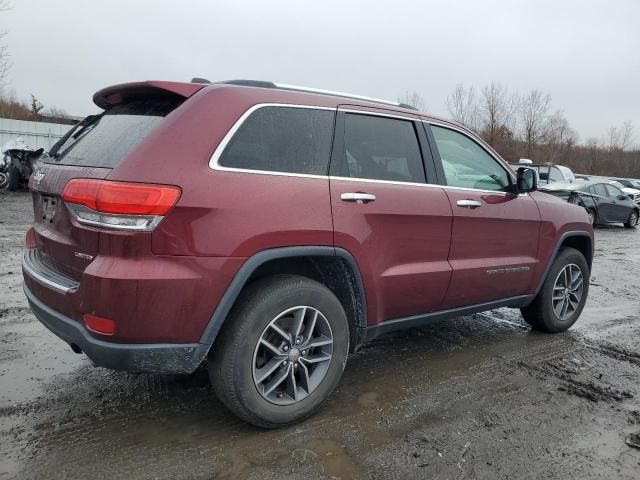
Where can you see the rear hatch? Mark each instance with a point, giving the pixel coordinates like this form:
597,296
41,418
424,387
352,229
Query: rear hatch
91,150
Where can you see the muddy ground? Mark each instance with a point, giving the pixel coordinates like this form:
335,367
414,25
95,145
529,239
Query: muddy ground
477,397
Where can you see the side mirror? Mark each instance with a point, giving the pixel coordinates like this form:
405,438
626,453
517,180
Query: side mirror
623,197
527,180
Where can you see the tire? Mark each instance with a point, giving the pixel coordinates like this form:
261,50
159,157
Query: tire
592,216
14,178
236,354
540,314
4,179
632,221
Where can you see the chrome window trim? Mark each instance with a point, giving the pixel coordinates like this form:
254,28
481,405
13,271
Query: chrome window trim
215,158
429,185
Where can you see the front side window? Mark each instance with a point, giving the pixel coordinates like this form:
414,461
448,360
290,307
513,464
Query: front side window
380,148
614,192
466,164
282,139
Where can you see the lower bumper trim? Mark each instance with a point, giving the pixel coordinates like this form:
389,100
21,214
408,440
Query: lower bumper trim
132,357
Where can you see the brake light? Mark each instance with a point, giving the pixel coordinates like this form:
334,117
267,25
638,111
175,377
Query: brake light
121,197
103,326
119,205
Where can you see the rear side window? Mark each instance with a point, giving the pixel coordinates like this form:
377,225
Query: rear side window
105,140
380,148
282,139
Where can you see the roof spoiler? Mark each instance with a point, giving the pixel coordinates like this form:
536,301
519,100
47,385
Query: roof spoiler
126,92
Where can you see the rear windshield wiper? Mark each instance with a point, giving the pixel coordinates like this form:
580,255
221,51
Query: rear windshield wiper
74,134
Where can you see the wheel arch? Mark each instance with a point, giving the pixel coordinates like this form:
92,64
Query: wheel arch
580,240
333,267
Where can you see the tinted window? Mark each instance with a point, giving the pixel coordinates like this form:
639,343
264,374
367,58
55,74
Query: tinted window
466,164
614,191
282,139
110,136
380,148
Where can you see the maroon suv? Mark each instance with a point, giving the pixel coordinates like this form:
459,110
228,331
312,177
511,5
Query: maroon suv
269,230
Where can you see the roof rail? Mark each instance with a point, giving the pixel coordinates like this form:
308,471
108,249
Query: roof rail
343,94
296,88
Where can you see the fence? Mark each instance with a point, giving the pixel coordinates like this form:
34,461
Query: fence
35,134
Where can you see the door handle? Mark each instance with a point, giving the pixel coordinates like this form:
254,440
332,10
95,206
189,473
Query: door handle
357,197
468,203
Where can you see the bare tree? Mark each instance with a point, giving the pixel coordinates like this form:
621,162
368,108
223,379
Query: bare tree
626,135
496,107
5,65
619,138
35,107
414,99
463,106
534,116
560,138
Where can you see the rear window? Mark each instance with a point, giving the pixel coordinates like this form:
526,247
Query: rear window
105,140
282,139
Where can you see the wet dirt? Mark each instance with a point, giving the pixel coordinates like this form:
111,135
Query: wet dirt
480,396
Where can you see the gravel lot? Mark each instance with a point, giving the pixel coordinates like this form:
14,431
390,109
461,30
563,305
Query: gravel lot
477,397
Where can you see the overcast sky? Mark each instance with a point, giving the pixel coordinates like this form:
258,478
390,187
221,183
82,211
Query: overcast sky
586,54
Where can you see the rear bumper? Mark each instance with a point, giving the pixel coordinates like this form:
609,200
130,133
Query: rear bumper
157,358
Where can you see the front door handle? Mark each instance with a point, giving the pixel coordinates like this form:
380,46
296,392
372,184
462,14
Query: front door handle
357,197
468,203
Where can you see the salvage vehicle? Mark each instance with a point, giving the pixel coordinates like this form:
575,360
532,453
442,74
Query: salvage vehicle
604,202
268,230
18,163
548,172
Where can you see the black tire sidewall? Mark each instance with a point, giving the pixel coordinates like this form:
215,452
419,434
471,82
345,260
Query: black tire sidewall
551,322
262,306
631,224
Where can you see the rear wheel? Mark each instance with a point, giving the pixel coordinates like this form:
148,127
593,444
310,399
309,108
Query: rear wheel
563,294
592,216
632,221
282,351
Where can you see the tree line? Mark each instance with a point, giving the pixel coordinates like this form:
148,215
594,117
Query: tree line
527,126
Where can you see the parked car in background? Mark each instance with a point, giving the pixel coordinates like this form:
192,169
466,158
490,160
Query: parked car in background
604,202
628,182
268,230
633,193
548,172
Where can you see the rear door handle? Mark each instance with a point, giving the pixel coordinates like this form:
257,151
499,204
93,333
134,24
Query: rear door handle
357,197
468,203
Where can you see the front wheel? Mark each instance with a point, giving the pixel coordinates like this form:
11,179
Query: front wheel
632,221
592,216
563,294
281,352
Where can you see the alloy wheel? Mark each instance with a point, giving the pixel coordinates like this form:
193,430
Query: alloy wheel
567,291
293,355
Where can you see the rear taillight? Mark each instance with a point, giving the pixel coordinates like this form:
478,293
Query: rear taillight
119,205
